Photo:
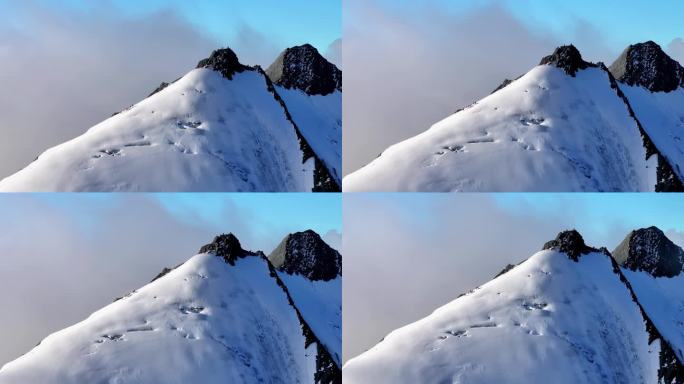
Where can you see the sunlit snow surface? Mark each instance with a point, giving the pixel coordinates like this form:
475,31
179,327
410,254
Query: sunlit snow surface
319,118
546,131
320,303
204,322
549,319
202,133
663,300
662,116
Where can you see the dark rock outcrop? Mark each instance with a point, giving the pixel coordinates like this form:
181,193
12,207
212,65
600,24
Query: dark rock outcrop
227,247
647,65
306,254
567,58
224,61
649,250
303,68
571,243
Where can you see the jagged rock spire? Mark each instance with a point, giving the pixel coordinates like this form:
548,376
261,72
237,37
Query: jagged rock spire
648,66
649,250
571,243
303,68
226,246
306,254
223,60
567,58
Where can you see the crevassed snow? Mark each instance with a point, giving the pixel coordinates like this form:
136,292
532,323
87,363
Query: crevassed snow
204,322
662,116
663,300
320,303
202,133
319,119
549,319
546,131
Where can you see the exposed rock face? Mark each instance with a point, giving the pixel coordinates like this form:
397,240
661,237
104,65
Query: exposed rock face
303,68
160,88
225,61
227,247
648,66
306,254
567,58
571,243
649,250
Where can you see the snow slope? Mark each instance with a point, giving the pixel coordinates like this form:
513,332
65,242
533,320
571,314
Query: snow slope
319,118
221,317
312,272
550,130
549,319
221,127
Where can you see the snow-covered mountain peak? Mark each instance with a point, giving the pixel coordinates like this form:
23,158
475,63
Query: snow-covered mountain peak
228,247
306,254
567,58
571,243
225,61
304,68
648,66
649,250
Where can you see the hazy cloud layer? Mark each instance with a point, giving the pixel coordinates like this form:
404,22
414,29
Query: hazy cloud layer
61,73
676,49
65,256
406,71
405,255
334,53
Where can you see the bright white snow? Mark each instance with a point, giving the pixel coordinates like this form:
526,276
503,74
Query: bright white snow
319,118
548,320
663,300
546,131
204,322
202,133
662,116
320,303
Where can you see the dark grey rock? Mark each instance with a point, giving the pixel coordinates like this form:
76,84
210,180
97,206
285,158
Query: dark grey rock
227,247
306,254
649,250
303,68
571,243
567,58
224,61
647,65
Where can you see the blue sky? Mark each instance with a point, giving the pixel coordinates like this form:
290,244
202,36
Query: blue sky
621,22
284,23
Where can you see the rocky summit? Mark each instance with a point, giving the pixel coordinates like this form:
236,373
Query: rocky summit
649,250
226,246
567,58
571,243
647,65
306,254
223,60
304,68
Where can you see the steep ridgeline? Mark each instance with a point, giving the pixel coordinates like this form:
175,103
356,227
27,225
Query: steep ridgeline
653,266
311,88
312,272
221,127
565,315
654,84
566,125
223,316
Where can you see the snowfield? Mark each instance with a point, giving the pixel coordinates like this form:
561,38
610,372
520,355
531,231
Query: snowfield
319,118
222,127
546,131
204,322
549,319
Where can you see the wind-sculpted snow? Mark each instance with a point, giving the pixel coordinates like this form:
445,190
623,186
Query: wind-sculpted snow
546,131
319,118
549,319
204,322
204,132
